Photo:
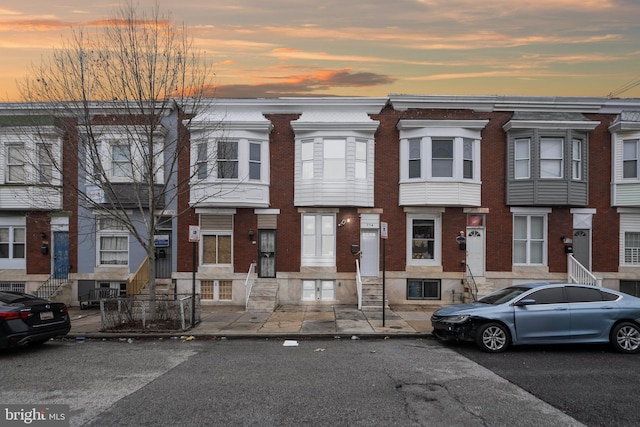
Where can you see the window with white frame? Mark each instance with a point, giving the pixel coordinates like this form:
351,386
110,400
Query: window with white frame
16,159
113,243
576,159
255,161
361,159
318,290
632,248
529,239
442,158
551,157
415,158
45,164
467,159
216,247
227,159
306,153
12,242
121,164
522,158
318,239
424,239
202,163
630,158
334,159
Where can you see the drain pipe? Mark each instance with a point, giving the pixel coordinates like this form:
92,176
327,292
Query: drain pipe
453,296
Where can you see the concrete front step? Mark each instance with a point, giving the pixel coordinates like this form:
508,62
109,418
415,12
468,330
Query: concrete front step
263,297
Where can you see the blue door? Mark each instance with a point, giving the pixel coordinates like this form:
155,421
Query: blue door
61,254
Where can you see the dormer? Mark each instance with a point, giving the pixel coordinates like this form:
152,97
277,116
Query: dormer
230,157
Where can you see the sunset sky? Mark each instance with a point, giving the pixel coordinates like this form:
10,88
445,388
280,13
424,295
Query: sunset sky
268,48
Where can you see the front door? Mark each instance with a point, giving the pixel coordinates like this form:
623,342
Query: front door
475,251
582,247
369,252
61,254
267,253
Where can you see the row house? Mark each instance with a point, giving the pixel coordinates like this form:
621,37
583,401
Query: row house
432,199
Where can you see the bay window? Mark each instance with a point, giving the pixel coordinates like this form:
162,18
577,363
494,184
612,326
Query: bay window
630,158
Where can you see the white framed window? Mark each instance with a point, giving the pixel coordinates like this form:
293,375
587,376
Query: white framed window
113,243
318,290
216,248
424,239
632,248
45,163
306,152
467,159
415,158
227,159
442,158
12,242
318,239
334,159
530,238
255,161
16,159
551,157
202,162
121,164
576,159
522,158
361,159
630,158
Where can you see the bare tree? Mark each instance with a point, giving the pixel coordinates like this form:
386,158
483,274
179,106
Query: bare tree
119,89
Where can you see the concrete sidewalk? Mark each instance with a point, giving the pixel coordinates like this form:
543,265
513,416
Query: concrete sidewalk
286,321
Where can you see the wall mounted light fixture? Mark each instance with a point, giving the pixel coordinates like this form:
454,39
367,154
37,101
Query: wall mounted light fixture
344,222
251,234
43,235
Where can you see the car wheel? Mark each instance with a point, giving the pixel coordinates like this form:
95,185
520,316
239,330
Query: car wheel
625,337
492,338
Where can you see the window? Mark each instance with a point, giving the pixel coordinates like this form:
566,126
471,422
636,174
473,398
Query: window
576,159
522,158
334,166
121,166
361,159
16,159
45,166
467,159
255,161
579,294
630,158
227,159
423,239
318,239
318,290
529,242
216,290
442,158
548,296
113,242
216,248
201,161
307,159
632,248
423,289
414,158
551,159
12,242
631,287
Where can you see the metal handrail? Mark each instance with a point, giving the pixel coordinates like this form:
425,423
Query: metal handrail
248,283
578,273
472,281
359,284
51,286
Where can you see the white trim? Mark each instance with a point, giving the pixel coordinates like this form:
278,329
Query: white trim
525,210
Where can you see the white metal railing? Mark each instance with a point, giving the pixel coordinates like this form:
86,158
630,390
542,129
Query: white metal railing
248,283
578,273
359,285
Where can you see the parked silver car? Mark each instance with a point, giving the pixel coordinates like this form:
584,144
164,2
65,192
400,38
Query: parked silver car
544,313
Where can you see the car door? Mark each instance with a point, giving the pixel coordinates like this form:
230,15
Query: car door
591,314
545,318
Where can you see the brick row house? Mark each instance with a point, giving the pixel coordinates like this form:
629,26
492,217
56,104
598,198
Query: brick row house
327,200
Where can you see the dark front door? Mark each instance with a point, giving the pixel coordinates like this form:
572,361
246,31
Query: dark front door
61,254
267,253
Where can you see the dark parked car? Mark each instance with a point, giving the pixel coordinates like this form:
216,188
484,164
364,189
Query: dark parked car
27,319
544,313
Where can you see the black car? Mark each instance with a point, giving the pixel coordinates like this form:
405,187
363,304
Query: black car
27,319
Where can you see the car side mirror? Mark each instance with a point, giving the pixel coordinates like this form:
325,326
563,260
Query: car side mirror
526,301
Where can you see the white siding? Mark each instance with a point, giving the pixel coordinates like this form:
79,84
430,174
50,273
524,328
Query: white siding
440,194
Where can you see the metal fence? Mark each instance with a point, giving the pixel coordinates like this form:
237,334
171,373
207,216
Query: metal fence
136,314
12,286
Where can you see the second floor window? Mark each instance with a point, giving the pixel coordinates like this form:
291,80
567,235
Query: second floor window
121,166
522,159
16,158
334,156
630,158
227,159
551,158
201,161
442,158
45,166
414,158
576,160
255,161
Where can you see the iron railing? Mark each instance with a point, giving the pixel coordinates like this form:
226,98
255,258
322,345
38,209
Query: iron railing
472,286
51,287
12,286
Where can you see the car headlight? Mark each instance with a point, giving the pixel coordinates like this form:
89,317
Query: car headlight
456,319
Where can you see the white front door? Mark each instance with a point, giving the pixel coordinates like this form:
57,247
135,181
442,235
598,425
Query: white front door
369,252
476,251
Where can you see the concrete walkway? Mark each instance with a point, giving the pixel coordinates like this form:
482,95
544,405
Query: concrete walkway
287,321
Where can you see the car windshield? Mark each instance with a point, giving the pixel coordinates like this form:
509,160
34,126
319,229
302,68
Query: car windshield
502,295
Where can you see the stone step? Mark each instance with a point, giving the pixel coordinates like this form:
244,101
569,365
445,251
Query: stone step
263,297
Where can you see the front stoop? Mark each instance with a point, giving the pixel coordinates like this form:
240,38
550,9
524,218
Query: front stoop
263,297
372,294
